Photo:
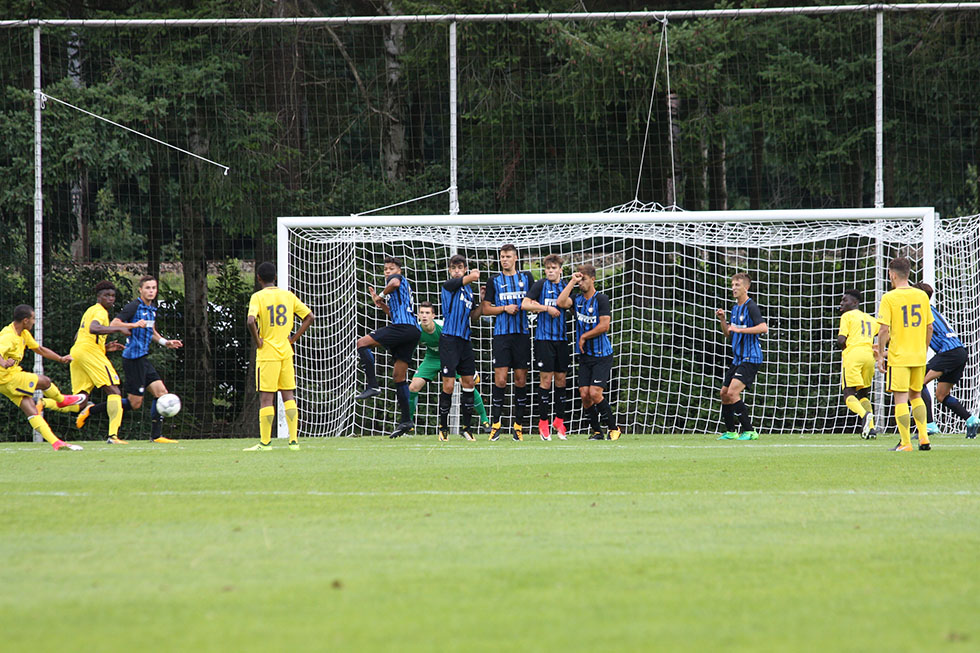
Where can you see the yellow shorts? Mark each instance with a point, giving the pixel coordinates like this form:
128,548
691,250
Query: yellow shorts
91,370
275,375
903,379
21,384
857,369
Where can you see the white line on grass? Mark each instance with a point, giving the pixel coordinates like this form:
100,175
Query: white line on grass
505,493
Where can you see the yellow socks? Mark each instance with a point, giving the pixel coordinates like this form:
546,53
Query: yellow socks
54,393
292,418
866,404
919,415
114,410
854,405
38,424
904,423
267,415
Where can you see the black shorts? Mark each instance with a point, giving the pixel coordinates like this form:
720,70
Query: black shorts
744,372
551,355
399,339
951,363
594,370
139,373
512,350
456,356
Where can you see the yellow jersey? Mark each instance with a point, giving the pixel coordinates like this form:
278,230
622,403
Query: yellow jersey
273,309
906,312
85,340
12,345
860,329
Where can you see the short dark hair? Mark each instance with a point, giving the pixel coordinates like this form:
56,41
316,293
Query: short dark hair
509,247
926,288
145,278
393,260
22,312
587,269
427,304
103,286
856,294
457,259
266,272
553,259
743,276
901,266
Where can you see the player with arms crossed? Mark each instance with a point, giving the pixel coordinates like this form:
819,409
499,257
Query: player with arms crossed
18,386
856,340
90,368
503,297
905,322
593,317
400,338
270,321
139,316
550,345
428,370
455,347
746,326
946,367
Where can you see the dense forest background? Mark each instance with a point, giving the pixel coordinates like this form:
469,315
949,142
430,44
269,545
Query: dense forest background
773,112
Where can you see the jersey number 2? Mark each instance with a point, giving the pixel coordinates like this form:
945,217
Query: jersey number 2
277,315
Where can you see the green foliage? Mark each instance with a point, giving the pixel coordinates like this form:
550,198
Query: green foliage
112,236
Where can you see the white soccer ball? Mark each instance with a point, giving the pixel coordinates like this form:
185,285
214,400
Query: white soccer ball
168,405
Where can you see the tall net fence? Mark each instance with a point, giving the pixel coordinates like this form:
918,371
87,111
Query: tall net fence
772,111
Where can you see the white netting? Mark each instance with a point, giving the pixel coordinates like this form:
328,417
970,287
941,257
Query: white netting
665,280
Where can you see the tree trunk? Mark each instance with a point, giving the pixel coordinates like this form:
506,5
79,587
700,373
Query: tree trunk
674,150
717,182
79,186
393,118
155,228
758,148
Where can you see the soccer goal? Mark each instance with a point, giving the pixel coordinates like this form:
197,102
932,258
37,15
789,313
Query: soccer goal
666,272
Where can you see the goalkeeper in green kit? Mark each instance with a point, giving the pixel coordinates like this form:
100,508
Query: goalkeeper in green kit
429,368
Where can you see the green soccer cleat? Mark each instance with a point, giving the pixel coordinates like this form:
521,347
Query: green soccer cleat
972,426
729,435
293,445
260,447
749,435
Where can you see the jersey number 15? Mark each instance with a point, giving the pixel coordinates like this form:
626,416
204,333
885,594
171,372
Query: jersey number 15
916,315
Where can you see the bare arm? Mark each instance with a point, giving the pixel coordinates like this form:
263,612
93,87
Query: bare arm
721,315
884,334
254,330
601,327
170,344
307,321
98,330
841,342
565,298
757,329
116,322
51,355
379,301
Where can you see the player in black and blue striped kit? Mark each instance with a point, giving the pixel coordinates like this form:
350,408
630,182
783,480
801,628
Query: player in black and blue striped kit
139,316
551,353
511,338
400,338
746,326
946,368
592,314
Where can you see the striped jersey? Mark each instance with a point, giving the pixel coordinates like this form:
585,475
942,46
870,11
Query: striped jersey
745,346
400,302
503,289
546,327
457,303
586,313
138,343
944,338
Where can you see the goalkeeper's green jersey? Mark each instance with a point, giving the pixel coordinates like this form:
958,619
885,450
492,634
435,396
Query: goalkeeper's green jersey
431,341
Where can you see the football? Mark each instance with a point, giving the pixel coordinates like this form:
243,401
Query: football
168,405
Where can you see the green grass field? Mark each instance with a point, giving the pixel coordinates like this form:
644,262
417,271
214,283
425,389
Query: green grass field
650,543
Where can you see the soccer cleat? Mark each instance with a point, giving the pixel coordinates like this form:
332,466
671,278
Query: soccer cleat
293,445
749,435
114,439
82,416
443,436
518,433
495,432
972,426
559,425
58,445
467,435
901,447
259,447
368,392
925,447
402,428
932,428
867,426
872,434
485,426
614,434
544,430
597,436
164,440
729,435
71,400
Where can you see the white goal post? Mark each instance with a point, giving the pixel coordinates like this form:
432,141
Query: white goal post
666,272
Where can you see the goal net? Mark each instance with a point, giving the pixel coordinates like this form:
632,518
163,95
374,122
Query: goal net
665,272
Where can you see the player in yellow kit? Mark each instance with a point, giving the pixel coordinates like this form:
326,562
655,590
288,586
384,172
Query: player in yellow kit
905,320
856,338
270,321
90,368
18,385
